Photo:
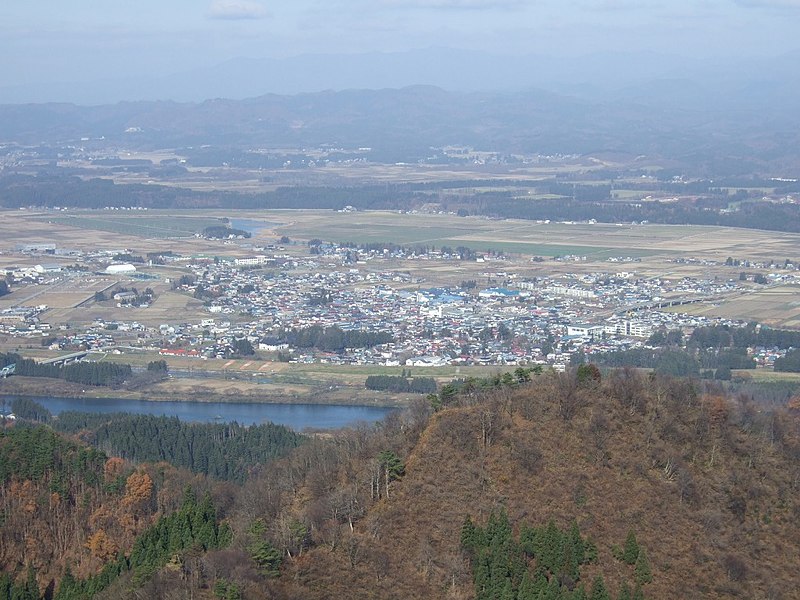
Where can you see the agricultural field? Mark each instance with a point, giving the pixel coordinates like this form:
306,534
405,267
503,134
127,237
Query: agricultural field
595,241
598,240
775,306
154,227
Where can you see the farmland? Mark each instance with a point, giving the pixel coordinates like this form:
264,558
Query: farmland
154,227
778,306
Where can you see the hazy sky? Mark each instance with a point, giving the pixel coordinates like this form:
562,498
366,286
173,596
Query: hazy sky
77,40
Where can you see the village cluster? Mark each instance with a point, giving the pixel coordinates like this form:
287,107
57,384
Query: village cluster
498,318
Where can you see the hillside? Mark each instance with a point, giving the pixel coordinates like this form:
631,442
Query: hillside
65,506
525,486
707,484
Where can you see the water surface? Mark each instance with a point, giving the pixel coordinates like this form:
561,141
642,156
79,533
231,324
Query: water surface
296,416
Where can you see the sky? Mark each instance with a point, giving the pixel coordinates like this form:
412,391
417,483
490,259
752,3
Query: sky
88,40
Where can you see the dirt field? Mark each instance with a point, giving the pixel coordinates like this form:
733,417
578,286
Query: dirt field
775,306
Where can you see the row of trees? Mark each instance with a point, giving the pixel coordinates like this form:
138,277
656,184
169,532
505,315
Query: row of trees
724,336
750,215
401,384
335,339
86,373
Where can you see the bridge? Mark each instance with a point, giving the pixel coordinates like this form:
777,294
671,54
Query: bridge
666,304
8,370
66,359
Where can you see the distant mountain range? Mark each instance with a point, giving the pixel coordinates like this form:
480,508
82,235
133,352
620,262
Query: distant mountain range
646,76
735,137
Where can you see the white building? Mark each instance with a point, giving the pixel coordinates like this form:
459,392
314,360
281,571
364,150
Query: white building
629,328
252,261
121,269
587,331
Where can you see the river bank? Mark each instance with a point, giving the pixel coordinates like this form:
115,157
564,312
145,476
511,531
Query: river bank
189,390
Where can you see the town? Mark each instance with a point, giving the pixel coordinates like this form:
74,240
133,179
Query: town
369,304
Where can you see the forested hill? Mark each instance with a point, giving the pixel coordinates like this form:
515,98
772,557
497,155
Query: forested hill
530,486
573,487
223,451
68,509
403,124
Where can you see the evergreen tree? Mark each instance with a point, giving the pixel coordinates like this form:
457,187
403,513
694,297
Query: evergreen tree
553,590
577,543
568,573
552,548
68,588
630,552
267,557
599,591
526,590
624,592
579,593
469,535
642,569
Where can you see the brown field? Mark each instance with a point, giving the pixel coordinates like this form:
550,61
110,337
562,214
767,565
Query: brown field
775,306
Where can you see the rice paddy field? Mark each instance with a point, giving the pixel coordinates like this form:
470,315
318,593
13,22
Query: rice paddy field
155,226
659,251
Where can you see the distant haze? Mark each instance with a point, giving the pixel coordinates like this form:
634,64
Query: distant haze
92,53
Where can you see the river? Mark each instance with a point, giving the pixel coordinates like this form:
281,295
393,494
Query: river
296,416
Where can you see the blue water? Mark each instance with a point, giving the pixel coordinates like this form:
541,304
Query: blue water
296,416
251,225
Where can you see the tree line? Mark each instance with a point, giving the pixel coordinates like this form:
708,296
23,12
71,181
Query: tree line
224,451
86,373
743,337
222,232
335,339
578,202
401,384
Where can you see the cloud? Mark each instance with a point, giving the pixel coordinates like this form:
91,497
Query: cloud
453,4
237,10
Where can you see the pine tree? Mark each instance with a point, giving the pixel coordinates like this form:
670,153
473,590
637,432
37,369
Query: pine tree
577,543
267,557
507,592
630,551
599,591
552,548
638,594
579,593
469,535
553,591
526,590
624,592
68,587
642,569
568,572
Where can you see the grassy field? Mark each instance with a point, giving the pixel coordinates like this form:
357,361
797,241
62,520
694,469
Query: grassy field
766,376
158,227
